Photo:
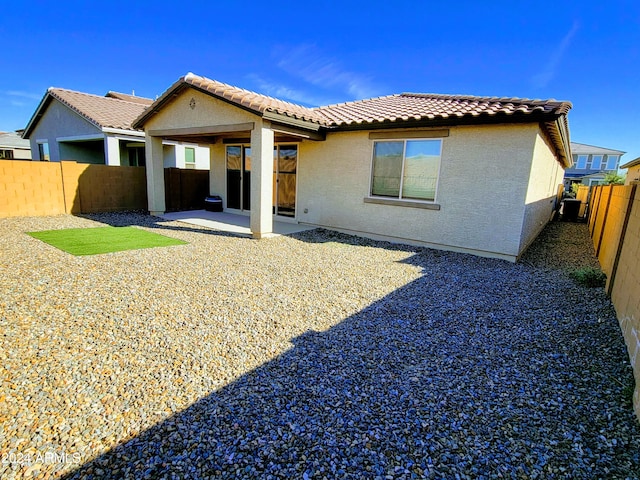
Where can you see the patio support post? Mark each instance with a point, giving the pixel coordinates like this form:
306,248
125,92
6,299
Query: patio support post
155,175
112,150
261,220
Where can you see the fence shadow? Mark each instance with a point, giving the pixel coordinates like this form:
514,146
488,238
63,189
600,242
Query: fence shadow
459,372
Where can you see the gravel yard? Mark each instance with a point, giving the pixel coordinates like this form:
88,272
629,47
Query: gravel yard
317,355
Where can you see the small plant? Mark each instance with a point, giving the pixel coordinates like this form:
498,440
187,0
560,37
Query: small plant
589,277
613,178
574,189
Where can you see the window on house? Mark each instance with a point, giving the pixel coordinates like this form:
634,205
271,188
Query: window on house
190,158
596,163
43,150
406,169
136,155
581,163
612,162
6,154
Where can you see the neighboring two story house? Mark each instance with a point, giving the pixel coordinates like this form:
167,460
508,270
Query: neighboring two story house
591,164
77,126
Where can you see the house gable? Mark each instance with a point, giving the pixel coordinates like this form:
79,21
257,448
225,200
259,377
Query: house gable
195,109
57,120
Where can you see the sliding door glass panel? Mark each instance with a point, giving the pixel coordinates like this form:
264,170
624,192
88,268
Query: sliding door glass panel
234,177
287,169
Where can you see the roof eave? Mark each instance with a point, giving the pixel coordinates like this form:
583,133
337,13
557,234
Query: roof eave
183,84
632,163
37,115
451,121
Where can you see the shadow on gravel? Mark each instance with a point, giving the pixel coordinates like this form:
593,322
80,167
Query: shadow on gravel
478,369
141,219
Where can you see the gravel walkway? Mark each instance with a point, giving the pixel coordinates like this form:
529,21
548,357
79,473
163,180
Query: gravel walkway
313,356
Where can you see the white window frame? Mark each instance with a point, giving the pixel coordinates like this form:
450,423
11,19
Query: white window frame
399,199
615,165
593,158
584,167
190,165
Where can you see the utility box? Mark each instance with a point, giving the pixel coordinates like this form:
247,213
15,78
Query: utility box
213,203
570,210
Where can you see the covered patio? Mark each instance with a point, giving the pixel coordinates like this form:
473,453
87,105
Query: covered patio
253,143
231,222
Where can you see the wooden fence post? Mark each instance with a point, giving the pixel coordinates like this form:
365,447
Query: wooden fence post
604,221
623,233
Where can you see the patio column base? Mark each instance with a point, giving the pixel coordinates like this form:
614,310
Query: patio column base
156,214
259,236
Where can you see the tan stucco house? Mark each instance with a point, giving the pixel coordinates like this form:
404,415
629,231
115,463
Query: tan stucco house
633,171
462,173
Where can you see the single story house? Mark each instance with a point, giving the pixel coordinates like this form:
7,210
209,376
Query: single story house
14,147
70,125
455,172
591,164
633,171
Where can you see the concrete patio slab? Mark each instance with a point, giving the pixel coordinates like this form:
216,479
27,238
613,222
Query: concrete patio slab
231,222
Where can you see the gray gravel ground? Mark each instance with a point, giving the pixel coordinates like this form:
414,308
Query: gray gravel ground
313,356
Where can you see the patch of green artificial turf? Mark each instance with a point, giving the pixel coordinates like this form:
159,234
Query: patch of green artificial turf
93,241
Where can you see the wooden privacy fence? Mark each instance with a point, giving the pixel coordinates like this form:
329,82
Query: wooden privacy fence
30,188
185,189
614,225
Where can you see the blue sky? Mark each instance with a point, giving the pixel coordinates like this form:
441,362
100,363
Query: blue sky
333,51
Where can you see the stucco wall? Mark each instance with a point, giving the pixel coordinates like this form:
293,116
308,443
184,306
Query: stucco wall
633,175
21,154
484,175
83,152
208,111
218,173
545,176
59,121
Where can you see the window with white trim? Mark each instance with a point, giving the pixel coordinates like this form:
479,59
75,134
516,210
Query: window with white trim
406,169
596,163
190,158
581,163
612,162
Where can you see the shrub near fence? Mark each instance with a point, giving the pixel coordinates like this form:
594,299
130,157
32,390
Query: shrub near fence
51,188
614,224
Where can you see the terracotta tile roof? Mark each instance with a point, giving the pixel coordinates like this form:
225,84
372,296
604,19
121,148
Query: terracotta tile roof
389,111
103,112
251,100
421,106
129,98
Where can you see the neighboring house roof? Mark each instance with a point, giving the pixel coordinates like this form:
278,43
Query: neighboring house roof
632,163
406,109
13,140
103,112
129,98
584,149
